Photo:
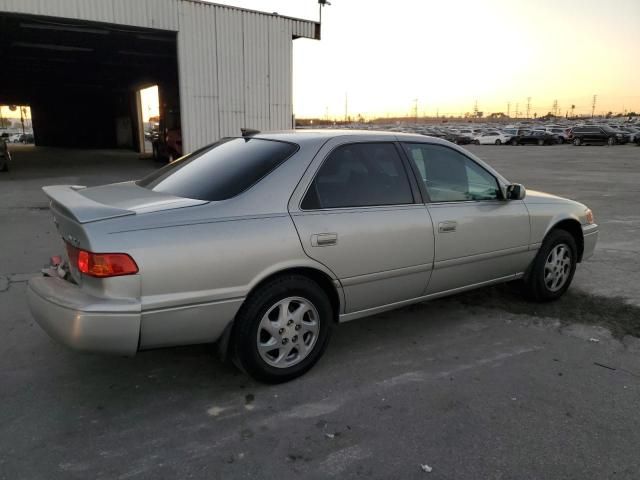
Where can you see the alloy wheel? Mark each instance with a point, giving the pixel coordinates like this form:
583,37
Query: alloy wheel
287,332
557,268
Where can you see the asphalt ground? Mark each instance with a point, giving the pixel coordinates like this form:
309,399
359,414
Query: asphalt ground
477,386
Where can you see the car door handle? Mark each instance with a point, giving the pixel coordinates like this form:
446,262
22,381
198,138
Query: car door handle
446,227
324,239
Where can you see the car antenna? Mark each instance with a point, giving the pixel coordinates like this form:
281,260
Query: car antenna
249,132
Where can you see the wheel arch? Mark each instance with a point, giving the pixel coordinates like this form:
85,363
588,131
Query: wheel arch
572,226
324,279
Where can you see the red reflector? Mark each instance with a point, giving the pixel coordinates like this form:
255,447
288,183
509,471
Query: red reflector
102,265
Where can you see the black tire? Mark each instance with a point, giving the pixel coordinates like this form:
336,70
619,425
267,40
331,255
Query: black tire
611,141
154,152
540,142
534,285
498,142
560,140
577,141
476,142
514,142
246,328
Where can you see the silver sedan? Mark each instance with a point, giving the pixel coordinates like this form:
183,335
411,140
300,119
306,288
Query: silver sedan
263,243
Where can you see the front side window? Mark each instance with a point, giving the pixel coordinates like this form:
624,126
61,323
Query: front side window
449,176
220,171
360,175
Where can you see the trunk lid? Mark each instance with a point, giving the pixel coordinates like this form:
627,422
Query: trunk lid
75,206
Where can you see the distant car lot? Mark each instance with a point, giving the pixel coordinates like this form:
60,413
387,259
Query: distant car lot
461,378
535,132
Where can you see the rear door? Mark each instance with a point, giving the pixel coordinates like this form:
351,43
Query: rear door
478,236
358,212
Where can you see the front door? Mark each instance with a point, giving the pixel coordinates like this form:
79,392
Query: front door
361,217
479,237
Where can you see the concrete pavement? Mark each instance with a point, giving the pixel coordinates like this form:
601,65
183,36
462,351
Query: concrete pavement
476,386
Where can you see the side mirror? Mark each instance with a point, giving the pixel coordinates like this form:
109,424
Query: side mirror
516,191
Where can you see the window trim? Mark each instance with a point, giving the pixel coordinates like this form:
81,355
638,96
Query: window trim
423,187
414,186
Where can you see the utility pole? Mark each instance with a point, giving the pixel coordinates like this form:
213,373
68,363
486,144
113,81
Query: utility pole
517,113
508,109
475,109
593,105
554,108
346,106
528,106
415,110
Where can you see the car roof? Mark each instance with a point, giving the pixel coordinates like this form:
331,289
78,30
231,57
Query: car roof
317,136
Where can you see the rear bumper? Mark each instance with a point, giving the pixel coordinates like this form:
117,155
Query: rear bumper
590,235
84,322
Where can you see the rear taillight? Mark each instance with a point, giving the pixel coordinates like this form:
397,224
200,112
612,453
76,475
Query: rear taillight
101,265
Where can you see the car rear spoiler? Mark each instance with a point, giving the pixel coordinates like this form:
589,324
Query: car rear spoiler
68,200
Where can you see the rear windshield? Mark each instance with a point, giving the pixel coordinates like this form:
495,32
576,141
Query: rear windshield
220,171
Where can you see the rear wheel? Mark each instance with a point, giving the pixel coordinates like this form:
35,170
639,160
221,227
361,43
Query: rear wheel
498,142
282,329
553,268
514,142
476,142
611,141
540,142
577,142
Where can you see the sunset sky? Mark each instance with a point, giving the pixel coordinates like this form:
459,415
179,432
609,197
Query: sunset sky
447,55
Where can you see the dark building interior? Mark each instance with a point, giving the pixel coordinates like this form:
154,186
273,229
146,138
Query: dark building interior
81,79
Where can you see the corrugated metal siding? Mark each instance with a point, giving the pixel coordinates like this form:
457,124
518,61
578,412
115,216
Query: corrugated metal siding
235,66
162,14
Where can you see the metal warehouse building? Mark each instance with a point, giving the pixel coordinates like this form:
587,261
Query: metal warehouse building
80,63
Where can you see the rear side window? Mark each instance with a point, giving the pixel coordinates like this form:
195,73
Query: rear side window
220,171
360,175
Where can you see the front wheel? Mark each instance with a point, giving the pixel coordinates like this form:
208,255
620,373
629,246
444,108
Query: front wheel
553,268
541,142
282,329
577,142
498,142
514,142
611,141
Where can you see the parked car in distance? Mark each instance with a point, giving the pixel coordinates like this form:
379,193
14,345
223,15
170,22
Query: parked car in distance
457,138
562,134
5,156
26,138
491,138
597,134
533,137
633,132
15,138
263,243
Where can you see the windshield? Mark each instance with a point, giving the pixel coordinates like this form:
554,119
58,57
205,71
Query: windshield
220,171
